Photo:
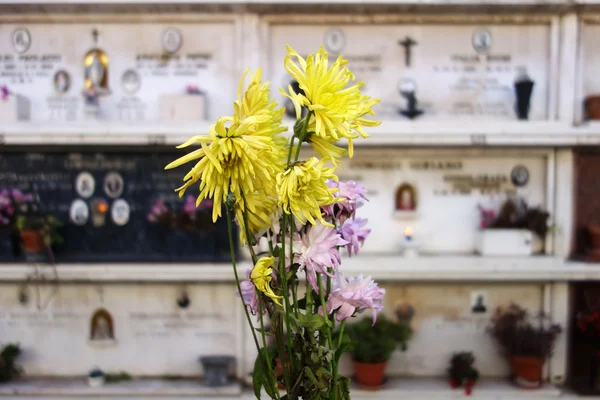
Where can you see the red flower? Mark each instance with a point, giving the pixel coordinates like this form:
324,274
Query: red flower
453,383
468,390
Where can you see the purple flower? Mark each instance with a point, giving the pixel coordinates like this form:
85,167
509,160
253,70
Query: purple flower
190,205
352,193
319,252
18,196
354,295
5,92
354,232
250,295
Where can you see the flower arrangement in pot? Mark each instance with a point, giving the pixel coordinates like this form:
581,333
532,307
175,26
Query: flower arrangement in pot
461,372
527,346
38,230
513,229
9,369
372,347
255,176
96,377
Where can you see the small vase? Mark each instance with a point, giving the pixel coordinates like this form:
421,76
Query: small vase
523,90
216,370
592,107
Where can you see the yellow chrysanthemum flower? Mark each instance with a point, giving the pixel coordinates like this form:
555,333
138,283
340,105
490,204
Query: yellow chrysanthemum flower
259,219
302,190
243,156
261,277
336,111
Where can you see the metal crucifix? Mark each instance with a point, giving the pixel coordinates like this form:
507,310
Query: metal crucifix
407,43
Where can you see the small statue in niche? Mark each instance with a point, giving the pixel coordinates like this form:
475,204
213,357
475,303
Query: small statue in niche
523,89
408,90
479,305
101,326
96,77
406,198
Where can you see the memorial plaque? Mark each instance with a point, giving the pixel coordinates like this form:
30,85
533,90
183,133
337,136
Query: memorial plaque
445,187
457,71
106,203
47,63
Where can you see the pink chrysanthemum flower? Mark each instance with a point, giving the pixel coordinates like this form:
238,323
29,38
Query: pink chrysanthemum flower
352,192
318,251
352,295
355,233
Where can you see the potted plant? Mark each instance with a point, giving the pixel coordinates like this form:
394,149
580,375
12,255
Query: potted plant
512,230
96,377
9,369
373,346
461,372
38,230
526,345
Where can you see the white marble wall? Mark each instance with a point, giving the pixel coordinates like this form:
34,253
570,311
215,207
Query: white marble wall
156,338
153,336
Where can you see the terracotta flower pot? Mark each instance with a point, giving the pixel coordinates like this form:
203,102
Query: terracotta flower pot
595,235
527,371
369,375
32,241
592,107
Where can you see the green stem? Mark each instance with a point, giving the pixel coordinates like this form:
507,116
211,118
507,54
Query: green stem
309,302
237,282
322,298
342,326
290,150
283,276
272,382
304,131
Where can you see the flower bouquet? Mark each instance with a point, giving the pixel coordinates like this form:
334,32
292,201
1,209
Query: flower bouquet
246,166
461,372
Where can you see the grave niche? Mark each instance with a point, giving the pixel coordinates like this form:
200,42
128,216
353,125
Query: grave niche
587,206
115,206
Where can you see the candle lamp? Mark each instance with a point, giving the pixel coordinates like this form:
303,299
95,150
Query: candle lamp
410,244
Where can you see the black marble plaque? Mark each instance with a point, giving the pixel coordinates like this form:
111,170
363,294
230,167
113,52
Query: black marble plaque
129,180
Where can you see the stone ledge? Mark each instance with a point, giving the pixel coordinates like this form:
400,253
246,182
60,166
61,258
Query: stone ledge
392,267
137,387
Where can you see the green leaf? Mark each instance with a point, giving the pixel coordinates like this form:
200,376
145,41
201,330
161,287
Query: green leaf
345,346
261,376
258,376
313,323
342,388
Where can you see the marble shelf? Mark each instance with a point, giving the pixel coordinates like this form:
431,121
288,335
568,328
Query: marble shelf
78,387
396,267
389,133
397,388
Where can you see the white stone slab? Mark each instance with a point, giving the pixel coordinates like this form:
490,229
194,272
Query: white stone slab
134,388
448,220
452,79
154,337
14,108
206,59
